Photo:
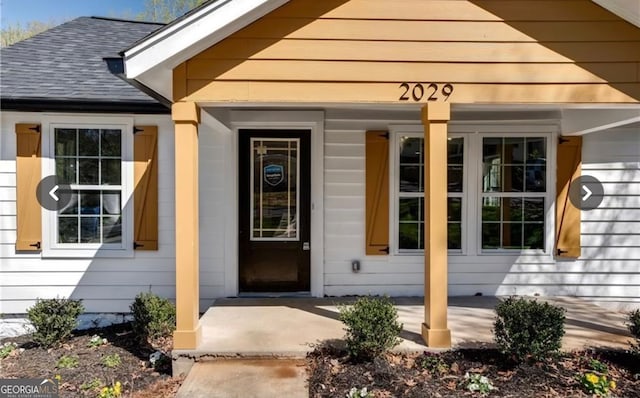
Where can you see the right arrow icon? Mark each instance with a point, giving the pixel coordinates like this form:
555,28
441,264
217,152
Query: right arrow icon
588,193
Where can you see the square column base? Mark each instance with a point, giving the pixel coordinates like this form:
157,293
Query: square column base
187,339
436,338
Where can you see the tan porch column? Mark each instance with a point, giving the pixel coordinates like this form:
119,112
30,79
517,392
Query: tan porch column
186,116
434,329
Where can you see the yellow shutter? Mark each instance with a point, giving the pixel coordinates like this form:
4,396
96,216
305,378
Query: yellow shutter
377,193
567,215
145,148
28,175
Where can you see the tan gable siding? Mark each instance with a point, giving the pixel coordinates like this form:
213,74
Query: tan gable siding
362,50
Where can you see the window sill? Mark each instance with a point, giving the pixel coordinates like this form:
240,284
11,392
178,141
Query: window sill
87,253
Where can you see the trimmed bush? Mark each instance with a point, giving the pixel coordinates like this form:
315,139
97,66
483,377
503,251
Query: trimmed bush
633,322
528,329
54,320
153,316
372,327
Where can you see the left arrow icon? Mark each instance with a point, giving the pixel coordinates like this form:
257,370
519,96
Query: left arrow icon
52,193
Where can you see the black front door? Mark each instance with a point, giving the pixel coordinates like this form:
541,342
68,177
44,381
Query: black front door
274,210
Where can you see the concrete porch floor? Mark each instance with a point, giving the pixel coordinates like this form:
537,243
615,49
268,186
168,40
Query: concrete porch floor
289,327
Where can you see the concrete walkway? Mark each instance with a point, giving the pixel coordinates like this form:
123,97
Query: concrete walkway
260,330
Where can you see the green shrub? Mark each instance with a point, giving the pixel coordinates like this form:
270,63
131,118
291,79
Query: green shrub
633,322
67,362
111,360
54,319
372,327
153,316
528,329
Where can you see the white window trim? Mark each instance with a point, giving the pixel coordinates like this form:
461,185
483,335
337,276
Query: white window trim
473,131
394,188
548,195
51,249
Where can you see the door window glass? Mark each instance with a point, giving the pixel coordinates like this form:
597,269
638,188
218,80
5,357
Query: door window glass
275,167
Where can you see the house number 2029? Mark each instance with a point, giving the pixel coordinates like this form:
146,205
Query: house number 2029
417,91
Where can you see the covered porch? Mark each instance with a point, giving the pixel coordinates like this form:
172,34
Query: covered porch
496,74
290,327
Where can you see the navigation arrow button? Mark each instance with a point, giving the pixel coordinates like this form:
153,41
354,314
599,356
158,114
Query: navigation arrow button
52,193
588,191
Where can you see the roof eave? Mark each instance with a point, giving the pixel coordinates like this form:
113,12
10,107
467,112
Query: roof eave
82,106
186,37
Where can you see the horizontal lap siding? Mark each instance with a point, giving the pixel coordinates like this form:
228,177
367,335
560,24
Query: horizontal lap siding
607,270
491,51
611,233
109,285
344,211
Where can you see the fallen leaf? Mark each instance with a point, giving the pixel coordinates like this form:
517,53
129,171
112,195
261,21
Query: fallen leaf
455,368
410,383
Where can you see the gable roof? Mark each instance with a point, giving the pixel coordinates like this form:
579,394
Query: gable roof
66,65
151,60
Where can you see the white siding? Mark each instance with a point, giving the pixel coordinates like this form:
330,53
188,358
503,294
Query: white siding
345,211
110,284
607,270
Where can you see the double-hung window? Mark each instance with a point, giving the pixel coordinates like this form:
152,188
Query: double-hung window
498,205
514,189
410,192
90,160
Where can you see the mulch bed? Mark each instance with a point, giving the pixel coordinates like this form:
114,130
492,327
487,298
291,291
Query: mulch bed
135,373
443,375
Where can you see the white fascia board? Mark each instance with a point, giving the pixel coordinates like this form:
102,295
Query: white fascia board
627,9
197,32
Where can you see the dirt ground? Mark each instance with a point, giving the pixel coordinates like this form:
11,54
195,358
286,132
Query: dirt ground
331,374
443,375
91,373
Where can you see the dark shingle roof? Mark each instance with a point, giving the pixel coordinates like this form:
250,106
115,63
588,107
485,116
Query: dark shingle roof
66,63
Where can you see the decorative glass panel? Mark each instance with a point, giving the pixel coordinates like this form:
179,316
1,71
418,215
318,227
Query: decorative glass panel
274,189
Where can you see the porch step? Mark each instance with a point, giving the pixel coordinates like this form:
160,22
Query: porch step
240,378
